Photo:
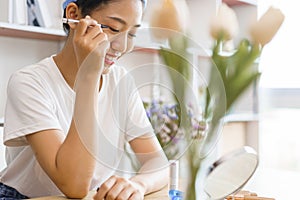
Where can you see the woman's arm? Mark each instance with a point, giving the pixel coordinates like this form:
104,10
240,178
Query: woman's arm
154,172
152,176
69,161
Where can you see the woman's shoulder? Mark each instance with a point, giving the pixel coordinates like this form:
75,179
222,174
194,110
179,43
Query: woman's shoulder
32,68
30,73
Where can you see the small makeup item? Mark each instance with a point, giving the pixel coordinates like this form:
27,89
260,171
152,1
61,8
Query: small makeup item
174,193
246,195
66,21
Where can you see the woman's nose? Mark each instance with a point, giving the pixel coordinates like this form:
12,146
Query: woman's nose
119,42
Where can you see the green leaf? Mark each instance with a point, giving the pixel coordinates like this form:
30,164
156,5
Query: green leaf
240,84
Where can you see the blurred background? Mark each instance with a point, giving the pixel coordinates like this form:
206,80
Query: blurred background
279,93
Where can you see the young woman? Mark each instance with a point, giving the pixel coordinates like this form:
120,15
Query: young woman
68,117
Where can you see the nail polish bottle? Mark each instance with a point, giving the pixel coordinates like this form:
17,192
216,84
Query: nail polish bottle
174,193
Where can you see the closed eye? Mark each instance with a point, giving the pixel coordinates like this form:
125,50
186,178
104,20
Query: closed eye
114,30
110,28
104,26
131,35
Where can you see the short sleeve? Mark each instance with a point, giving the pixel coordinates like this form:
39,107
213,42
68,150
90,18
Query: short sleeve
28,109
138,123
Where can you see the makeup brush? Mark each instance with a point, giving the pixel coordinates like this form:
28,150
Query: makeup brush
66,21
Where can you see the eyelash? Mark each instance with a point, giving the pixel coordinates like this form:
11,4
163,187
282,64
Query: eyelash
132,35
117,31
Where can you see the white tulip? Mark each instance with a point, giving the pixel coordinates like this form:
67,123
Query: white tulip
267,26
224,24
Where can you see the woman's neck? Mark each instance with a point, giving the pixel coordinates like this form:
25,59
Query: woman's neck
66,63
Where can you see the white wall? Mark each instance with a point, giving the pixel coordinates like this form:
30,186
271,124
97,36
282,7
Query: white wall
2,148
201,13
247,15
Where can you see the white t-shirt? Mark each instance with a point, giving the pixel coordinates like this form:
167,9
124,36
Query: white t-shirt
40,99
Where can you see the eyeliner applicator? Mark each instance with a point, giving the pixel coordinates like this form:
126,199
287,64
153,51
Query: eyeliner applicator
66,21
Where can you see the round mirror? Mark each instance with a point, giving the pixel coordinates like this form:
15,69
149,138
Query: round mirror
230,173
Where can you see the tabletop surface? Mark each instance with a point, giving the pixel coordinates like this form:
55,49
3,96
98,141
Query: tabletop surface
272,183
159,195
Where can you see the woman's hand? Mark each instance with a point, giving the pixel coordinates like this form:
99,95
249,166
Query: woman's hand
90,43
118,188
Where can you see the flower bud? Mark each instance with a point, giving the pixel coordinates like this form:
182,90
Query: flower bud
267,26
167,18
224,24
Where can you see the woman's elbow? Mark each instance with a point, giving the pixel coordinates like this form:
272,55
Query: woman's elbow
74,191
76,194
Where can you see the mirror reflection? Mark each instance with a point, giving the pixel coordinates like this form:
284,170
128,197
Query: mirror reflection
230,173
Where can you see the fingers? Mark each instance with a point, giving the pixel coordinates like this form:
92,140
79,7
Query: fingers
117,188
121,188
83,25
88,30
105,187
89,39
94,31
129,193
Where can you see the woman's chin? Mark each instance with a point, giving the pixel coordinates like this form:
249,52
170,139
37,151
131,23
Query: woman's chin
106,70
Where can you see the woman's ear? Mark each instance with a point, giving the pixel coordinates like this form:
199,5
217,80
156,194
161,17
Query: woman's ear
72,11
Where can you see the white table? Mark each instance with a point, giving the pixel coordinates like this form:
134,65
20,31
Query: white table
278,184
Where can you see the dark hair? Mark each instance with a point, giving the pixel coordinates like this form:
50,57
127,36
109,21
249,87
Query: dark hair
87,6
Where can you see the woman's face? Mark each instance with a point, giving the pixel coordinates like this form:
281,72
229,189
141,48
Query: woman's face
123,17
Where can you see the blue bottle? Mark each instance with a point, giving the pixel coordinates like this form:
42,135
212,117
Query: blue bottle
174,193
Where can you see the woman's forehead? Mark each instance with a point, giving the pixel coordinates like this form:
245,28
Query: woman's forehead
124,11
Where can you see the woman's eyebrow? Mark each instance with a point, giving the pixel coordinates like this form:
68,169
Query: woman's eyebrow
123,21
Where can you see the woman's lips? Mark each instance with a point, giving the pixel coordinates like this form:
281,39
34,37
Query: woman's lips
110,60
